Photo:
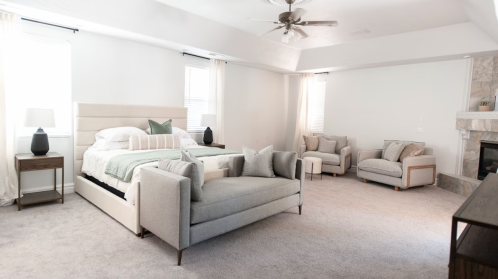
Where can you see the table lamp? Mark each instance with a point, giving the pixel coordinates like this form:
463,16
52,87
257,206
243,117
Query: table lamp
36,117
208,120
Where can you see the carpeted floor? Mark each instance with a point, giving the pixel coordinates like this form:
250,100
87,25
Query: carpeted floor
348,230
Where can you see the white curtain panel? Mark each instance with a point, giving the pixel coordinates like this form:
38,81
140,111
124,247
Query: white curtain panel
303,120
8,178
217,97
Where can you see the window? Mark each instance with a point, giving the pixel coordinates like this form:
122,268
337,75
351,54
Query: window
196,96
317,105
41,78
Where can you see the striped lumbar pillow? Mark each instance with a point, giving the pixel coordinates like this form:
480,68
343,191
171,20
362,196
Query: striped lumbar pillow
163,141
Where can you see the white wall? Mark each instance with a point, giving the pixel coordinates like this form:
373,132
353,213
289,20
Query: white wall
111,70
255,108
371,105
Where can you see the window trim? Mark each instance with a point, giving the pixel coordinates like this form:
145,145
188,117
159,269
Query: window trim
184,89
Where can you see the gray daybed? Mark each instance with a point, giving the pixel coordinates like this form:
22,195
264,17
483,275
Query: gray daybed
228,203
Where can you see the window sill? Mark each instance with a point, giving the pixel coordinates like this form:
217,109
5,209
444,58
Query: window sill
49,136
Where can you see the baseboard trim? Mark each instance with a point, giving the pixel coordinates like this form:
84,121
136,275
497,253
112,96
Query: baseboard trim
68,189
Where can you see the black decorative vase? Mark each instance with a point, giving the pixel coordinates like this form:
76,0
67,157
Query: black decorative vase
39,143
208,136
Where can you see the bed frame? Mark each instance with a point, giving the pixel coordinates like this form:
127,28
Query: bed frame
88,120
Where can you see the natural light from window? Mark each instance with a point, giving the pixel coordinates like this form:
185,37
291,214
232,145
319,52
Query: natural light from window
317,105
196,96
42,79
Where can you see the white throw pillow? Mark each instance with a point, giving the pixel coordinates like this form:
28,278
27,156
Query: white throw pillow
187,142
119,133
103,144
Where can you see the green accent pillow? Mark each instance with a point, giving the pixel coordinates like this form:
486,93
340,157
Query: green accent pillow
158,129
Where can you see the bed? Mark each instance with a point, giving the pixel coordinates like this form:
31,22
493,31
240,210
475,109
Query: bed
89,119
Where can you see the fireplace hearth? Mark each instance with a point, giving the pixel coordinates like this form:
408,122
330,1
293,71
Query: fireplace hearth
488,159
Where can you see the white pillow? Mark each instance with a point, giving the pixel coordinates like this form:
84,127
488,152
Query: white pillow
119,133
182,133
102,144
187,142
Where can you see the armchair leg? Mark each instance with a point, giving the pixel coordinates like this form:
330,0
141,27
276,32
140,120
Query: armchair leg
179,254
335,174
365,181
143,232
300,209
396,188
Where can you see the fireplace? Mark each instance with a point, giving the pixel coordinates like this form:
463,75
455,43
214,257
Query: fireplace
488,159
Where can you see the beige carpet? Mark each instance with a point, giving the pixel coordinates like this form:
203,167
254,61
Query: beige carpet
348,230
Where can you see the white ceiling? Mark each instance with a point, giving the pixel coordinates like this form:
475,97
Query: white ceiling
380,17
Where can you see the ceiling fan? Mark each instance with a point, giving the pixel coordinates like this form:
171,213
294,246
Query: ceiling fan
291,21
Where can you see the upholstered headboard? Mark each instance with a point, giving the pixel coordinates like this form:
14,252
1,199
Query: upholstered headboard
91,118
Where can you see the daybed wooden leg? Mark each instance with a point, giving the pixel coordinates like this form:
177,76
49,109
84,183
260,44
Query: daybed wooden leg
335,174
365,181
300,208
139,234
180,257
143,232
396,188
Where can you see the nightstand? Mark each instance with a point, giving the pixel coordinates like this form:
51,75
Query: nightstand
222,146
30,162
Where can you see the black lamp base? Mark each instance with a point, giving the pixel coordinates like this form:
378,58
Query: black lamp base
208,136
39,143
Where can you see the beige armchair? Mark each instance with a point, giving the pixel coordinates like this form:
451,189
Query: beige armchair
331,163
413,171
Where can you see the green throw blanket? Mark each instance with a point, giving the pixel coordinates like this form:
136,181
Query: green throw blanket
122,166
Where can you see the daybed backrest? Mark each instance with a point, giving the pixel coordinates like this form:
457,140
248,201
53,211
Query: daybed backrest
236,165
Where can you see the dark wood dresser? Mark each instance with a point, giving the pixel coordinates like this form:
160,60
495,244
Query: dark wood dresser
475,253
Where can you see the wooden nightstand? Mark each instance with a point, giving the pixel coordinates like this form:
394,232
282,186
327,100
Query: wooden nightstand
30,162
222,146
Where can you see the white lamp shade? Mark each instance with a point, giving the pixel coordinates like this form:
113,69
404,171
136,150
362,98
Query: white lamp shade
208,120
36,117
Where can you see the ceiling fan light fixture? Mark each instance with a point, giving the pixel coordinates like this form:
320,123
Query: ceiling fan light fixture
284,3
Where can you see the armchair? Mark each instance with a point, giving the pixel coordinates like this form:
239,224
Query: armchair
331,163
413,171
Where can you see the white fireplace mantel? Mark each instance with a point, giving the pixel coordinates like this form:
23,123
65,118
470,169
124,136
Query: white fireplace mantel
477,115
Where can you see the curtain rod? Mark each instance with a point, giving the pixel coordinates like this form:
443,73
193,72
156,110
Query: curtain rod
51,24
202,57
322,73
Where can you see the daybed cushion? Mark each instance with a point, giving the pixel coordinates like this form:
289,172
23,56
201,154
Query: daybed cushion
229,195
327,158
381,166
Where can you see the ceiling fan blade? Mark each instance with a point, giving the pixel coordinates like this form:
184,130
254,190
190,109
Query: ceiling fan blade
297,14
276,28
263,20
331,23
303,34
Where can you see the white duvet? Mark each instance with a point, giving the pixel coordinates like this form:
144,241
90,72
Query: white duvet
95,161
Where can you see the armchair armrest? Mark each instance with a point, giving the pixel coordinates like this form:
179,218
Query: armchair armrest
369,154
165,206
419,170
346,157
302,149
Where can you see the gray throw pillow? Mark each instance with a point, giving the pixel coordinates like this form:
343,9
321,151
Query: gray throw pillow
326,146
177,167
420,145
342,141
196,176
394,151
284,164
258,164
